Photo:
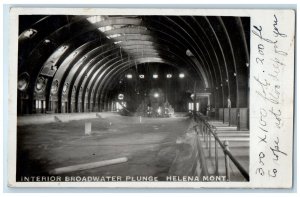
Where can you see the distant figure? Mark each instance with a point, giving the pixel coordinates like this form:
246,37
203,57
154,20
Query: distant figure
149,111
229,103
208,110
159,111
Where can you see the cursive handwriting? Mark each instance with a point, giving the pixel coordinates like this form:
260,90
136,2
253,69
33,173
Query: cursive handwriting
273,174
276,150
269,59
265,94
263,139
276,29
258,32
261,157
276,114
263,114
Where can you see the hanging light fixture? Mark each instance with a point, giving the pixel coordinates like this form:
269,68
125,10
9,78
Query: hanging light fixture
129,76
169,76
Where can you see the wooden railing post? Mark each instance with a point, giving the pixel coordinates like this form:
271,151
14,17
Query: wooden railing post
238,119
216,156
207,136
204,131
226,145
229,116
209,145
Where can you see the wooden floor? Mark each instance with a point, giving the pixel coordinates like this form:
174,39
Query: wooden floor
149,146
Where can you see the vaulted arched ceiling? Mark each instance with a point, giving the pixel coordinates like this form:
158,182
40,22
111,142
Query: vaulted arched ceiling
80,58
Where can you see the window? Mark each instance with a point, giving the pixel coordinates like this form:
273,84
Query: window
191,106
38,104
197,106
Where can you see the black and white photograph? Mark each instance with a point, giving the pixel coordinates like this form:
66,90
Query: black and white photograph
146,98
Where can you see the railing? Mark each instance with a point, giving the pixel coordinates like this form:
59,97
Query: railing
208,131
204,171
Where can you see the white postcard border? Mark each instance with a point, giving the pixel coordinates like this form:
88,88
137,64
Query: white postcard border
264,18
